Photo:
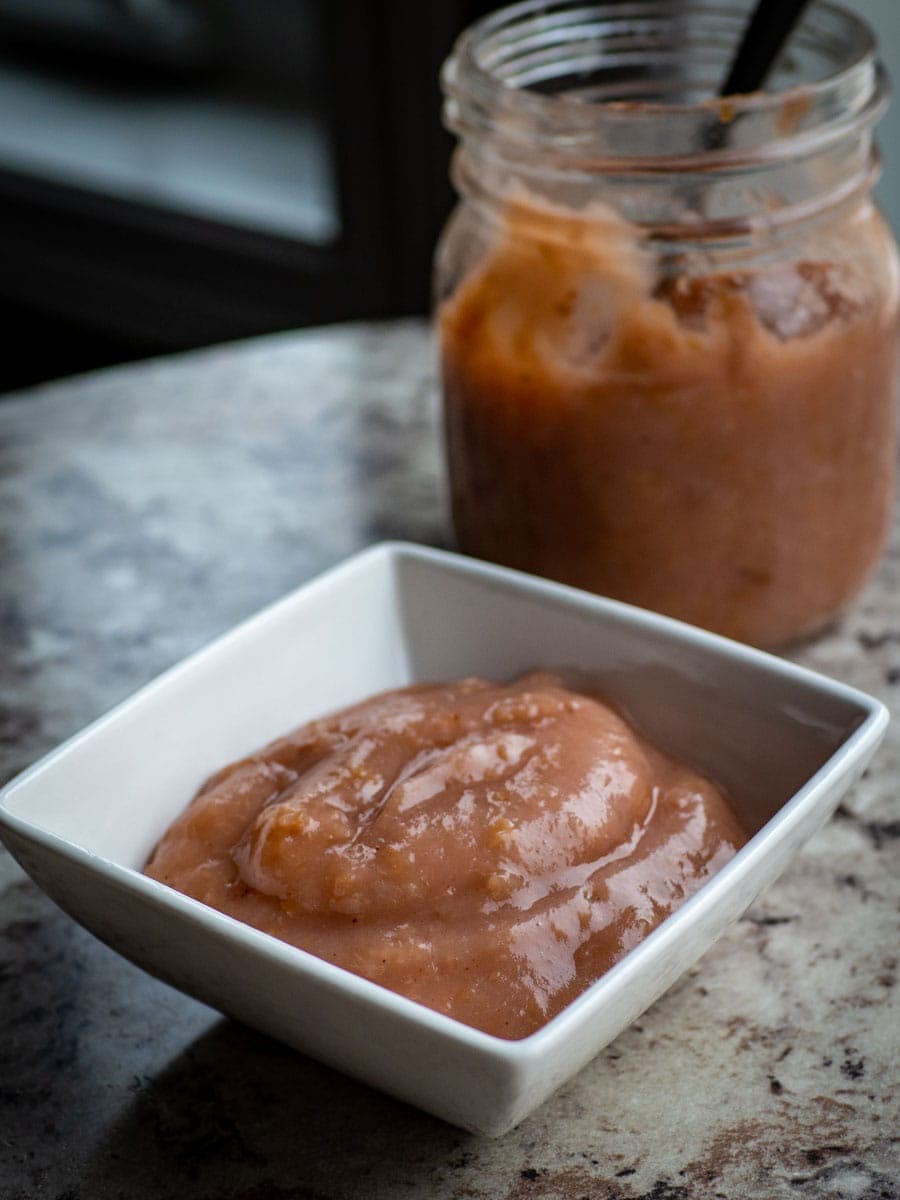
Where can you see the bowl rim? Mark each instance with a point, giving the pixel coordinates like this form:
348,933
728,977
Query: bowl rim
874,718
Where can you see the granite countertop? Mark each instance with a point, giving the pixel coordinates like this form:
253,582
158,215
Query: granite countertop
145,509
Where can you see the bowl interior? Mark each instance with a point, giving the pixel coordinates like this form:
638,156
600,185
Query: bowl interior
396,615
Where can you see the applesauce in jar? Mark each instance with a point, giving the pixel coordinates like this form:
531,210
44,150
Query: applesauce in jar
668,325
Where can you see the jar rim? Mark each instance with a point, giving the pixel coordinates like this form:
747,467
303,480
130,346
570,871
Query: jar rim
479,80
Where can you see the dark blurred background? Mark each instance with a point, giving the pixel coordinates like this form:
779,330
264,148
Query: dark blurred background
179,172
175,173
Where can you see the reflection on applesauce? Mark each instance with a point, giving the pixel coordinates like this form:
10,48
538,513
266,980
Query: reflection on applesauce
716,445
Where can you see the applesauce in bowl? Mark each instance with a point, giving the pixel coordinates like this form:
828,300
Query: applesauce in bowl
489,851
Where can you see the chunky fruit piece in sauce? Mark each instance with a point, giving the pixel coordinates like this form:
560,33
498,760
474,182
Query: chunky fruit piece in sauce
489,851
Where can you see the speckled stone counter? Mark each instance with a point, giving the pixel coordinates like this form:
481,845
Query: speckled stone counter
144,510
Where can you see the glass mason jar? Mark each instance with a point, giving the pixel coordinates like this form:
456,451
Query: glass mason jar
667,322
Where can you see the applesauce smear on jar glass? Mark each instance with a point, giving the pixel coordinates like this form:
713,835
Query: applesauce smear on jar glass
668,323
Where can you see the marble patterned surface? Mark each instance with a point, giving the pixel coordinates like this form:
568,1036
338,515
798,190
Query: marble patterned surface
145,509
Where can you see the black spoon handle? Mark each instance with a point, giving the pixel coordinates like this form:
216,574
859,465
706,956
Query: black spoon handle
766,33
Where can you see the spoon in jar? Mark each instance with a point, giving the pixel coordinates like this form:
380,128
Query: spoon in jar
767,30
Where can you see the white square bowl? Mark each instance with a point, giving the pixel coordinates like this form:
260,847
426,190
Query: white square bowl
784,742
